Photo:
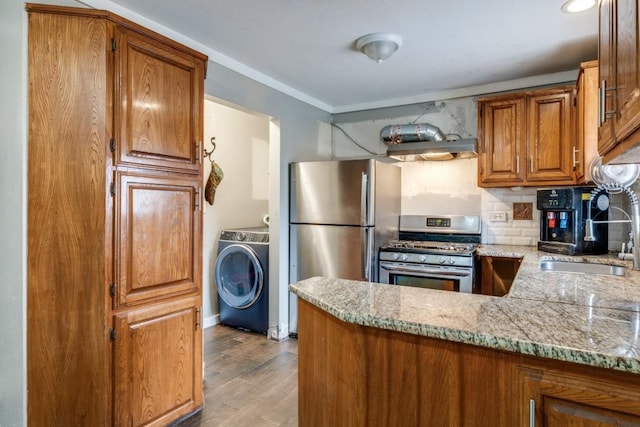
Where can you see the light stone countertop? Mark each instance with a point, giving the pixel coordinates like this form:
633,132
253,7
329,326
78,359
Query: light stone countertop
587,319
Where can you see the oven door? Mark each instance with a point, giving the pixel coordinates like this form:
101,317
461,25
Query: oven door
444,278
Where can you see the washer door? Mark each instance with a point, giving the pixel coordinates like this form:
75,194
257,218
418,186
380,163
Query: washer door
239,276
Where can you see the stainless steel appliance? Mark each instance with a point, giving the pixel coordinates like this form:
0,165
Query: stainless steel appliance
563,215
340,213
424,141
434,251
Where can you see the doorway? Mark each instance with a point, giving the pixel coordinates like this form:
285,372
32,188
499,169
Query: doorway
245,154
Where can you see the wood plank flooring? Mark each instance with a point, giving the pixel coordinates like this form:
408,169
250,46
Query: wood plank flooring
248,380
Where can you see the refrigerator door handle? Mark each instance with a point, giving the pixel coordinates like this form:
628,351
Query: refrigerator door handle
363,199
369,253
366,252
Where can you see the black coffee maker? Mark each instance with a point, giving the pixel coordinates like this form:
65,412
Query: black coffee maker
563,212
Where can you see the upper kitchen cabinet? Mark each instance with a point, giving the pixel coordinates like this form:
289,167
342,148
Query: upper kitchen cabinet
526,139
619,90
586,119
159,102
501,135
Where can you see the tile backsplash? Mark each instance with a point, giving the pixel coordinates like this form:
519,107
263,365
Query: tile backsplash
619,232
450,187
499,201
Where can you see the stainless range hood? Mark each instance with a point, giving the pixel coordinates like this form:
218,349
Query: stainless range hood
425,141
434,150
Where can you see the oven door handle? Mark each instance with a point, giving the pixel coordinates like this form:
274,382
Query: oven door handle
436,274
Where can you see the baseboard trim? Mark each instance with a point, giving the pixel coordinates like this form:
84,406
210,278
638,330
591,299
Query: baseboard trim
210,321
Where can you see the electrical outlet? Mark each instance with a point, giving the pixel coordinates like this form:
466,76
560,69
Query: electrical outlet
498,217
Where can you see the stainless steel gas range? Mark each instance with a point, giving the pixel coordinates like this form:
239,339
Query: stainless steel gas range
434,251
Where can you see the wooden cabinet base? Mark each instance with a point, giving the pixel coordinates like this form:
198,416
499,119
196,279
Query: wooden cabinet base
361,376
497,274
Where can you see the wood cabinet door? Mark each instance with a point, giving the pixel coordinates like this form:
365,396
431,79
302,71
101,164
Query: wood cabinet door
159,103
586,122
553,398
501,134
606,70
549,137
158,363
158,236
627,89
497,274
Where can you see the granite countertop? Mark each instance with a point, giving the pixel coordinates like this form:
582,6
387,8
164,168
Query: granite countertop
587,319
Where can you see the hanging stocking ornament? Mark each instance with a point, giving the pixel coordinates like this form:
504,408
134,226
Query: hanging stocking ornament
215,177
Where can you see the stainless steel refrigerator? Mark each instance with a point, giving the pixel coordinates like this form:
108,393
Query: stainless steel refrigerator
340,212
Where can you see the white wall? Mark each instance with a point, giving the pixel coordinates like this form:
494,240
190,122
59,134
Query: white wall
242,198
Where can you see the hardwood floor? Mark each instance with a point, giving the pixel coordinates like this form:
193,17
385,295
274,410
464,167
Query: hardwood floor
248,380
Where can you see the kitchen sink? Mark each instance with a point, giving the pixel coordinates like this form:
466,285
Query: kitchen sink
581,267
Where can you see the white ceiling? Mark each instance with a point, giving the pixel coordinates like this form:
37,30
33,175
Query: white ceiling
306,47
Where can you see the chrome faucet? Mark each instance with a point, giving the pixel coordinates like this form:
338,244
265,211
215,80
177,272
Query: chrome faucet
634,219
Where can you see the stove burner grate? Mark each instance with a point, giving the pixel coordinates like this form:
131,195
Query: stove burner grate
425,247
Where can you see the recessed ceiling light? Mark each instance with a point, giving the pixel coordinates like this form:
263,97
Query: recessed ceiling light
575,6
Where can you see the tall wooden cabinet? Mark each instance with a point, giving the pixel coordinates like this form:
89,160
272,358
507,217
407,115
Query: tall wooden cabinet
114,222
526,139
619,114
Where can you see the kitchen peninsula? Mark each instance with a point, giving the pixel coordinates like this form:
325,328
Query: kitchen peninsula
559,347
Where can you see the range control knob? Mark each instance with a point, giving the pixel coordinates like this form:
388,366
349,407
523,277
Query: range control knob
396,256
452,261
423,258
442,260
405,257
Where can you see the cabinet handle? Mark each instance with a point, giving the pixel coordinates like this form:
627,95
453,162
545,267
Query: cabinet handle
531,164
601,102
518,165
604,114
575,157
532,413
599,108
197,201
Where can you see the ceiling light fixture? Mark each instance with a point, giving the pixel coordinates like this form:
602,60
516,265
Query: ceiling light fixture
379,46
575,6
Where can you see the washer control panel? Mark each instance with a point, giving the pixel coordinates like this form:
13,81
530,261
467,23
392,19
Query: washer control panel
259,235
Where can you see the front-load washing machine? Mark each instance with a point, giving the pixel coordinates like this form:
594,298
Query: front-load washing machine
242,278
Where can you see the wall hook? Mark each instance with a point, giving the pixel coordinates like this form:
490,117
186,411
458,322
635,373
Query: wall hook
209,153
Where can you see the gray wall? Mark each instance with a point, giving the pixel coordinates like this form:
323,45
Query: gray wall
301,128
12,214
